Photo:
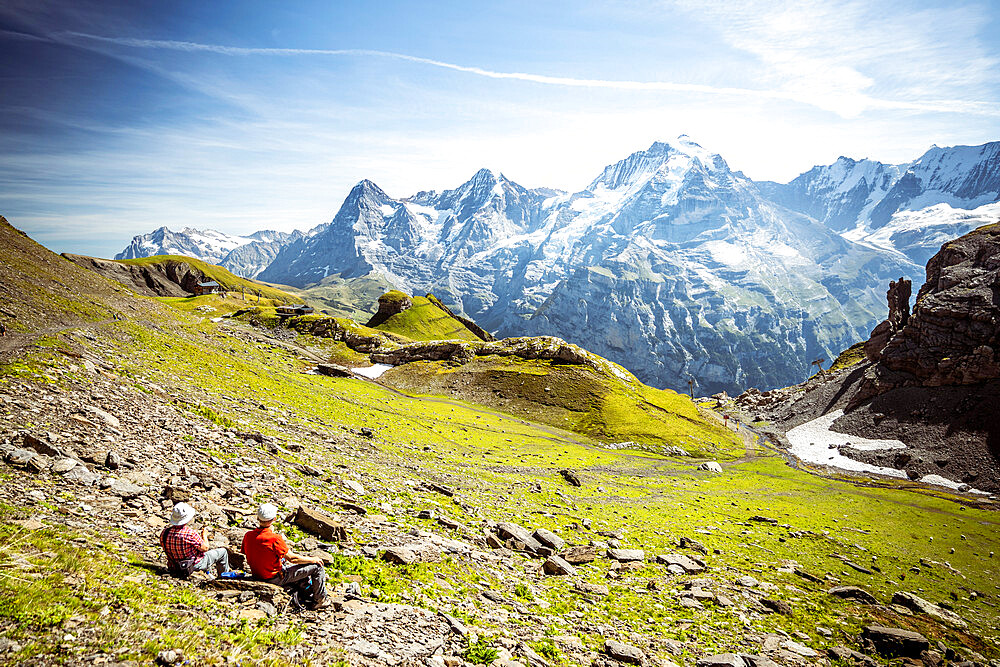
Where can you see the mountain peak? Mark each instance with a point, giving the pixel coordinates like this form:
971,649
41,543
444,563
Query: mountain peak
366,189
487,174
673,158
682,144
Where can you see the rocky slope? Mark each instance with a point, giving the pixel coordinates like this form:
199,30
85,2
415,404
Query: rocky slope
668,262
953,335
175,276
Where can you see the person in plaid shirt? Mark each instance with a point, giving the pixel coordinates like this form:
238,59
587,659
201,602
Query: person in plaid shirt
187,550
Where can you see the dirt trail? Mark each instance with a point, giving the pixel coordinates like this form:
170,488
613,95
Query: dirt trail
11,343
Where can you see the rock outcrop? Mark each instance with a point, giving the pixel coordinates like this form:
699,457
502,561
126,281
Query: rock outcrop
167,278
953,336
899,313
535,347
331,327
389,304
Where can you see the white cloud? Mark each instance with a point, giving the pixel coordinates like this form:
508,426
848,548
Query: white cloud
780,38
855,56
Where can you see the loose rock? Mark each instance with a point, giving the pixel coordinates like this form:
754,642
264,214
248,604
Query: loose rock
556,566
895,642
623,652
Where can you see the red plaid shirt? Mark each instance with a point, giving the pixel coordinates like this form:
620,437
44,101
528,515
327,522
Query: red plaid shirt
180,542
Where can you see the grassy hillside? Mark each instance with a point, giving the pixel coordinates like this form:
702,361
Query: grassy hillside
40,290
598,402
220,275
216,305
424,321
77,588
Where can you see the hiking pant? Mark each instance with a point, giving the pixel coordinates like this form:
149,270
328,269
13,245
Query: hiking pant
294,576
217,557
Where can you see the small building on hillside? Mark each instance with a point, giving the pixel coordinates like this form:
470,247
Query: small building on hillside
293,311
209,287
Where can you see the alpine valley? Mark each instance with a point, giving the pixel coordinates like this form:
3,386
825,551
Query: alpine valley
669,262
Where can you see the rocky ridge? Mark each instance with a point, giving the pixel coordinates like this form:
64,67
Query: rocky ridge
245,256
953,336
168,278
929,379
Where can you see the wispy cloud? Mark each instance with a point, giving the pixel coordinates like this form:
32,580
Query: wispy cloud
834,54
829,86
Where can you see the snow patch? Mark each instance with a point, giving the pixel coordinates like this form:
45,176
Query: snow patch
814,442
372,372
938,480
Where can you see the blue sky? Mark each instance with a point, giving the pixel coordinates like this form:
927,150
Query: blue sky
119,117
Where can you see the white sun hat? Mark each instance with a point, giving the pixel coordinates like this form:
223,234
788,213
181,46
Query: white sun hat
267,512
182,514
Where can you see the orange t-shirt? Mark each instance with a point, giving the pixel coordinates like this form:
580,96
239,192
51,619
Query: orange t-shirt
264,550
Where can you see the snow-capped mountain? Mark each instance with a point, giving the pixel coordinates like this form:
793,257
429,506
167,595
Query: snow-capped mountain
208,244
899,207
250,259
920,234
245,256
839,194
668,262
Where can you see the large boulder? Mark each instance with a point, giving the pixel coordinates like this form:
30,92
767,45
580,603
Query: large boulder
319,524
580,555
895,642
556,565
854,593
549,539
623,652
521,537
922,606
627,555
686,563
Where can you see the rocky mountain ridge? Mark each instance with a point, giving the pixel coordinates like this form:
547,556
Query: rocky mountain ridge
909,208
245,256
669,262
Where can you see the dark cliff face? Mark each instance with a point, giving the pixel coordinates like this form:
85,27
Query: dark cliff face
168,278
953,337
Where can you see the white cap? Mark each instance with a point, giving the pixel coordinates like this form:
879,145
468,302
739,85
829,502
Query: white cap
182,514
267,512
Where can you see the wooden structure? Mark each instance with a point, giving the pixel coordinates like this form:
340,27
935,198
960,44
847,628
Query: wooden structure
293,311
208,287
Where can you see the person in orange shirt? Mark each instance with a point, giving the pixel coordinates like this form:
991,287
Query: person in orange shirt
270,559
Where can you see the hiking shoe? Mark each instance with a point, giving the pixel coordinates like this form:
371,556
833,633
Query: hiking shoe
320,604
